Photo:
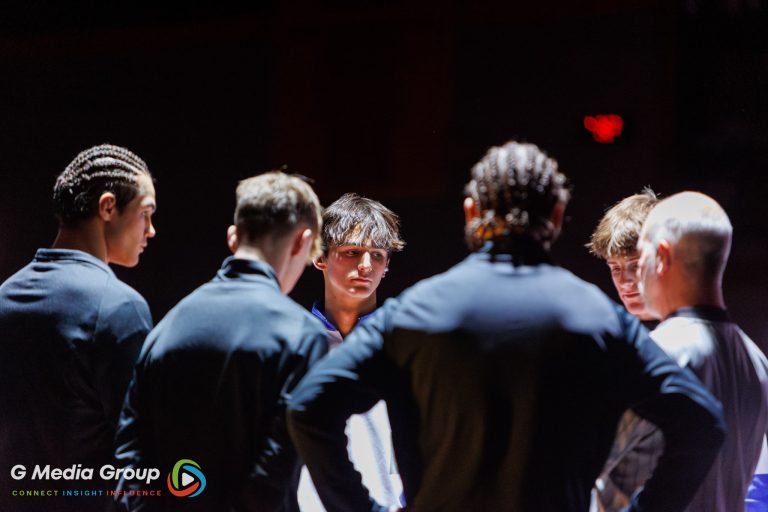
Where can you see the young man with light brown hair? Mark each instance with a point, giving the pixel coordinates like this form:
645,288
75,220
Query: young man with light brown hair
359,235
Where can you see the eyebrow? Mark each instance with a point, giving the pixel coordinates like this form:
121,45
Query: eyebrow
366,247
627,262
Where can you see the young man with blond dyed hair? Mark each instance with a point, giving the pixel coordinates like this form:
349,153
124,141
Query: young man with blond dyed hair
615,241
359,235
213,376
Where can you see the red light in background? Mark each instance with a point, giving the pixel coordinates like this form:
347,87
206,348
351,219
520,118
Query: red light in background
604,127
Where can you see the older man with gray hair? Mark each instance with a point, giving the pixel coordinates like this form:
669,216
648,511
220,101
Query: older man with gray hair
684,247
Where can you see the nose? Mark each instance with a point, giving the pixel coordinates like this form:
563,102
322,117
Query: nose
364,266
628,276
151,231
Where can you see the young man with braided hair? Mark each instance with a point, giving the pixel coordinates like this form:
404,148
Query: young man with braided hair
212,380
70,331
359,235
505,376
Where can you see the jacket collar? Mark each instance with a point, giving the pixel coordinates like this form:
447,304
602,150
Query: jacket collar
247,270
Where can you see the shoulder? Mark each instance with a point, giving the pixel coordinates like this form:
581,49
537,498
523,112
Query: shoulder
308,325
481,288
120,303
689,341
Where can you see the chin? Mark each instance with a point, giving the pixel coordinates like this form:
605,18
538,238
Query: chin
359,292
126,263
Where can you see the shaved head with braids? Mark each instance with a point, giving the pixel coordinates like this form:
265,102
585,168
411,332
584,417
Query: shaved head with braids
515,188
103,168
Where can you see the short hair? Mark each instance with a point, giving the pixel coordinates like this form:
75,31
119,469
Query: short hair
515,188
103,168
698,226
357,220
619,229
272,204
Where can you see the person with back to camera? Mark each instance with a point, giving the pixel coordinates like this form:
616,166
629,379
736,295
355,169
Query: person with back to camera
213,377
505,376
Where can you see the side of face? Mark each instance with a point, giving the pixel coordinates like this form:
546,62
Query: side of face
353,271
127,232
624,274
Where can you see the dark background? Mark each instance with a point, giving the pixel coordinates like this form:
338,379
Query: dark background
394,100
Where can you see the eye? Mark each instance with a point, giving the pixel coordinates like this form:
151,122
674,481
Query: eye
353,252
615,270
378,256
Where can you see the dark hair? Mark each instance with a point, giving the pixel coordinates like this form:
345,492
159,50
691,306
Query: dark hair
357,220
104,168
619,229
272,204
515,188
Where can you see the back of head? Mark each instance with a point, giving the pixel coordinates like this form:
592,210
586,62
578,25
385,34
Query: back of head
357,220
619,229
272,204
103,168
515,188
698,228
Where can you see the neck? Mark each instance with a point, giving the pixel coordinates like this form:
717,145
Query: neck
693,291
276,255
344,313
251,253
273,258
86,237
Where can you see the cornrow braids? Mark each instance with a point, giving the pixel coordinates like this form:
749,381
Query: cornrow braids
515,187
103,168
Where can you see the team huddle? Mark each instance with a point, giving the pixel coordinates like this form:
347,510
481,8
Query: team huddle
503,384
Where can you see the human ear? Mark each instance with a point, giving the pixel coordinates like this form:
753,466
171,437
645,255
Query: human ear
107,206
232,241
663,258
320,263
558,214
301,240
470,210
